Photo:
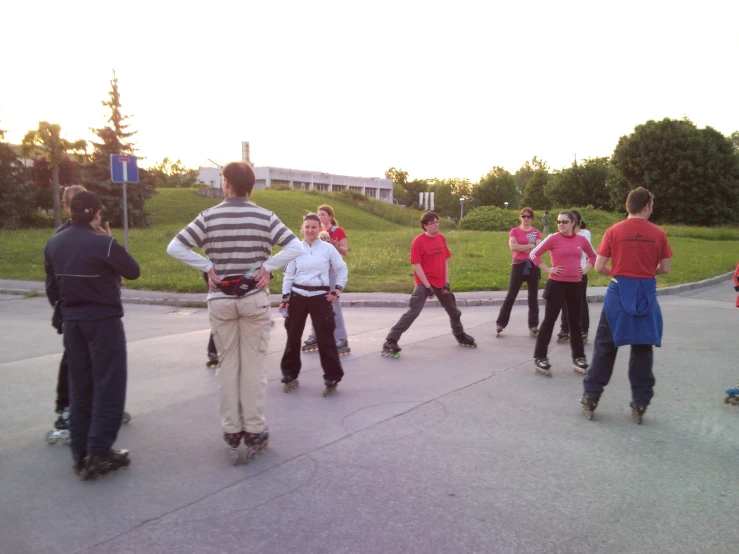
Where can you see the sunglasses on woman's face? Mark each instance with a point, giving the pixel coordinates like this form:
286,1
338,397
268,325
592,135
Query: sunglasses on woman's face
563,221
527,216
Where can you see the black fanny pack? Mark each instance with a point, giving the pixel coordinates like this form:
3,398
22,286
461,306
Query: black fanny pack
237,285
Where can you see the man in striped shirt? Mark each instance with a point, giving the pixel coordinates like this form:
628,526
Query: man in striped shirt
237,238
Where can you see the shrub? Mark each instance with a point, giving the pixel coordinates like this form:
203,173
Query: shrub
489,218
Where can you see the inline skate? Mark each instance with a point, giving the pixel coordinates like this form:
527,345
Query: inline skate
580,365
233,440
342,347
533,332
212,360
637,412
61,429
289,383
542,365
563,337
254,443
498,331
104,462
466,340
589,403
733,396
330,386
391,349
310,345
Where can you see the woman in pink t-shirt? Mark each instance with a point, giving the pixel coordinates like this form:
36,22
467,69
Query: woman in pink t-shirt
521,241
563,287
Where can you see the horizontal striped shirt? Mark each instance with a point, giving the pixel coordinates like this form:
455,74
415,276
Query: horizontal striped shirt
236,236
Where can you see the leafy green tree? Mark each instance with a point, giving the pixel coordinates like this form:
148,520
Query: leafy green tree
17,198
447,193
582,184
495,189
526,172
114,139
399,179
173,174
46,142
693,172
41,178
533,195
735,140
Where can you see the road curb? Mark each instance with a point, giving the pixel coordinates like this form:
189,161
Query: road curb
373,303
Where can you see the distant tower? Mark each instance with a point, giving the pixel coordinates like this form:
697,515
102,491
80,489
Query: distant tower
245,155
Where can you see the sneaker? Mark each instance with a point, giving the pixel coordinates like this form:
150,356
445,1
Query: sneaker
580,365
104,462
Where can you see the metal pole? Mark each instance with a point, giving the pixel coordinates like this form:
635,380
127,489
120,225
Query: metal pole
125,215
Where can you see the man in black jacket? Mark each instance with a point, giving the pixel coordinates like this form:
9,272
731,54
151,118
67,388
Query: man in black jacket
83,271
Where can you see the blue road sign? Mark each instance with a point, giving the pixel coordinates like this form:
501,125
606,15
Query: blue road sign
123,169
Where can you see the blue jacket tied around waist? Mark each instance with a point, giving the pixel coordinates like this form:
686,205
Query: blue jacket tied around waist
632,311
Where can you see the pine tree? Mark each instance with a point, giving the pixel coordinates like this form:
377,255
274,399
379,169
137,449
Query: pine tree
96,176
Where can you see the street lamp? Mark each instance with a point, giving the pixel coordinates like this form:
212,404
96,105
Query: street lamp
506,205
461,208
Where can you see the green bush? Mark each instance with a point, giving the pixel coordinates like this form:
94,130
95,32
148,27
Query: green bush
489,218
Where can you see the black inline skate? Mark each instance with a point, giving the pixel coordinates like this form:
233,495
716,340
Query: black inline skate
580,365
533,332
391,349
498,331
310,345
254,443
543,366
233,440
589,403
330,386
563,337
466,340
637,412
212,360
289,383
342,347
104,462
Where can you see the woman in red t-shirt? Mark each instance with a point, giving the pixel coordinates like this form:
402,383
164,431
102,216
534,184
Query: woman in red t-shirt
337,237
522,240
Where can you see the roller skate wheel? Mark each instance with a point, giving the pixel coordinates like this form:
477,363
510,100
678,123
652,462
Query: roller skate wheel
126,417
51,437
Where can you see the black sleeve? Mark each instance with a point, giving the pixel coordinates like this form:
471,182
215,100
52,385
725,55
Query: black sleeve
52,290
123,262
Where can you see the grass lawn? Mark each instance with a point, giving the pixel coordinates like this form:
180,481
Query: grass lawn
379,249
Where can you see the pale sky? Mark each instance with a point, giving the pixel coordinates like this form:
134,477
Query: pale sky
440,89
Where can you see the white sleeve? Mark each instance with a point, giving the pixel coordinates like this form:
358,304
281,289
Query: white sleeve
287,280
177,249
342,271
289,252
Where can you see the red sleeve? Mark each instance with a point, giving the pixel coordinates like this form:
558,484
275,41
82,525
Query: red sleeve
416,250
666,250
338,234
736,276
588,249
448,253
604,249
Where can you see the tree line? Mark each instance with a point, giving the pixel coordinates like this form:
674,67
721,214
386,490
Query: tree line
58,163
694,173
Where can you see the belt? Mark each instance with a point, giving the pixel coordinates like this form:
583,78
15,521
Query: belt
309,288
236,285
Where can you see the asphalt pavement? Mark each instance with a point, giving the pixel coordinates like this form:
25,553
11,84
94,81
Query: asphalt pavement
447,449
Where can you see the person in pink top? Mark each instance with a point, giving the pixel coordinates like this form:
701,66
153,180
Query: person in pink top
564,287
521,241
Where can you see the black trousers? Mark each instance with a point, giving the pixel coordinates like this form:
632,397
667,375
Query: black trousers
96,354
62,385
564,325
557,294
417,302
322,315
514,285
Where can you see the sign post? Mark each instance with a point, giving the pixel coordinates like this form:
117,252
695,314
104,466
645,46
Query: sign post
123,169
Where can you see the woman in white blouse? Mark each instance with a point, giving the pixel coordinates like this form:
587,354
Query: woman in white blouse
305,291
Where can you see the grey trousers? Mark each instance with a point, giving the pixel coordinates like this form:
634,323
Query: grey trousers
418,300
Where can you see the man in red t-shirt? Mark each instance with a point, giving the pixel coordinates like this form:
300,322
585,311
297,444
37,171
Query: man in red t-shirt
638,250
429,255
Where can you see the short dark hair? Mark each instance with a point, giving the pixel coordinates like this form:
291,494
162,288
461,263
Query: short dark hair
240,176
427,218
637,200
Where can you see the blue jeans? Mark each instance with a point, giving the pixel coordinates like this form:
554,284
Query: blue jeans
604,357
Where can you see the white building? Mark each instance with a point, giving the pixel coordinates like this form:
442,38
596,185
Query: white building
299,179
